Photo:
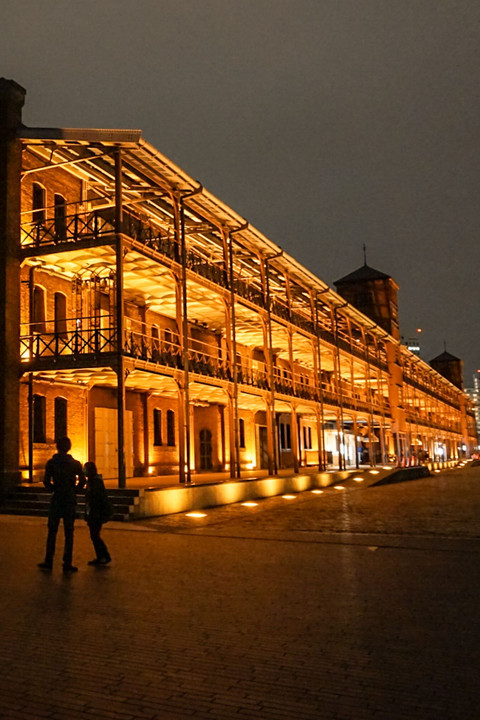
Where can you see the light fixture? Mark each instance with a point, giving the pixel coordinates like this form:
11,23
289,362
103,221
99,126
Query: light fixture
249,504
195,514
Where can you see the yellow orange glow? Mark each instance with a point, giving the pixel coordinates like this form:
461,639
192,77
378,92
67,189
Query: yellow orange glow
317,492
249,504
374,472
339,487
289,497
195,514
358,479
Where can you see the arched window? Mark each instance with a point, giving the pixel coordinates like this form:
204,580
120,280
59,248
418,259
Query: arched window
60,418
39,419
155,342
38,310
60,217
38,203
60,313
170,428
157,426
241,432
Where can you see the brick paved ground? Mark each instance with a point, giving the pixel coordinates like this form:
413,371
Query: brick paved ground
350,605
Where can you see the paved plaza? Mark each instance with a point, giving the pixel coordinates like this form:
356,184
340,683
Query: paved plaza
351,604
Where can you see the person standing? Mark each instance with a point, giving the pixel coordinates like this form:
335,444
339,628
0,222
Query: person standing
65,477
98,510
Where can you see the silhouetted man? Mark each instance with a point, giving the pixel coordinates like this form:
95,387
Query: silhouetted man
64,476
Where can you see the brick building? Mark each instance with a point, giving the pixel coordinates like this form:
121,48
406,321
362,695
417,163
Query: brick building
164,334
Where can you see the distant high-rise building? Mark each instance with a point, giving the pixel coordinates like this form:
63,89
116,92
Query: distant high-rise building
413,344
474,393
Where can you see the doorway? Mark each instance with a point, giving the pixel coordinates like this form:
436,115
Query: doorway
263,447
106,442
206,449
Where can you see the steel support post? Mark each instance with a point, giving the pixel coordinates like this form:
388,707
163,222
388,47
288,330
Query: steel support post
119,249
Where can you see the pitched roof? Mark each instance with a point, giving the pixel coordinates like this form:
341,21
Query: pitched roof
444,357
365,272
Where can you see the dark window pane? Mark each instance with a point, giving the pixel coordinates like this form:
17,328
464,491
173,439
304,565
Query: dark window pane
241,432
38,203
60,418
38,310
60,313
60,217
170,427
157,427
39,419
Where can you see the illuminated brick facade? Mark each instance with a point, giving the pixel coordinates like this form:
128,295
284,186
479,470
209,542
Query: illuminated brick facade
166,335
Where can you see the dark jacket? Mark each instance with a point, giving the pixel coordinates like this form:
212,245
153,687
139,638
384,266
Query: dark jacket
61,473
98,508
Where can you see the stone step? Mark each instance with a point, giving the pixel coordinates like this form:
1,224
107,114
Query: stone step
29,500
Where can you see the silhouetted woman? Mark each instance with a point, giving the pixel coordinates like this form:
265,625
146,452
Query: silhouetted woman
98,510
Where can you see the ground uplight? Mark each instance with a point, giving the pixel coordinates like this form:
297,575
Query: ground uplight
249,504
289,497
196,514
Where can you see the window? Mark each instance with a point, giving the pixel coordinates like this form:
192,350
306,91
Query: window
60,217
60,418
157,426
38,203
155,342
60,313
39,419
170,428
168,339
38,310
307,437
285,438
241,432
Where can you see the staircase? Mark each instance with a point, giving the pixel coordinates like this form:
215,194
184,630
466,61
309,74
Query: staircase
35,500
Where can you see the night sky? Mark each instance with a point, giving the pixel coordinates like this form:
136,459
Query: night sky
327,124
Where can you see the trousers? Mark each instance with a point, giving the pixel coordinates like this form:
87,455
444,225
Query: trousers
56,513
100,547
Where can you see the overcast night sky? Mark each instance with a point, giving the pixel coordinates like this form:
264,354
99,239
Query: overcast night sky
325,123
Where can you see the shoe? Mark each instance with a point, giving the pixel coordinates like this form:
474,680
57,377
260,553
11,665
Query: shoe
67,569
100,561
44,566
